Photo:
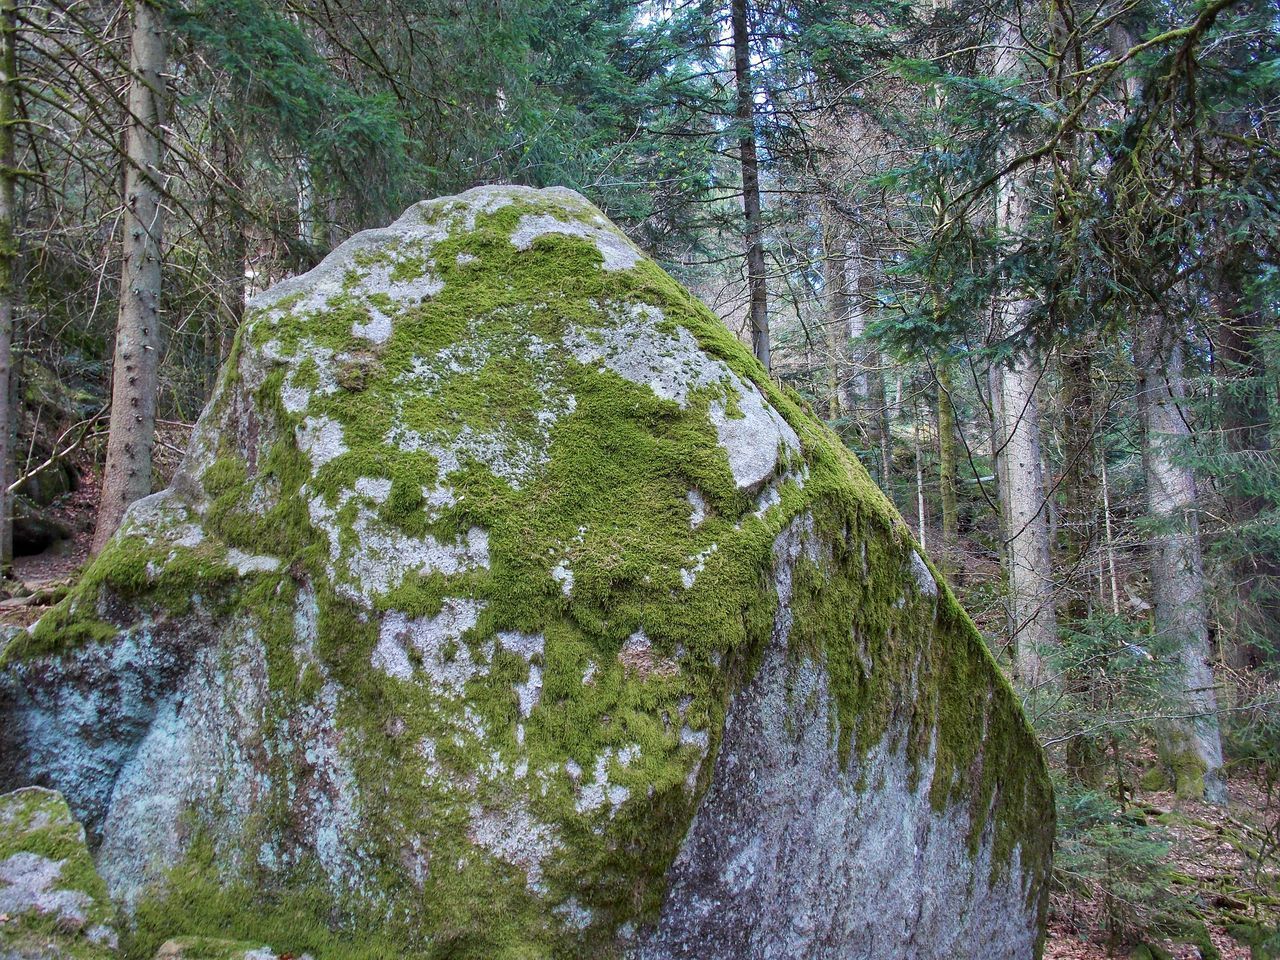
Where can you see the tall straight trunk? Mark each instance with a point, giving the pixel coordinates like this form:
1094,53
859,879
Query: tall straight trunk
1080,487
947,472
999,463
997,451
227,211
315,212
8,270
1109,539
835,268
1081,490
745,115
919,444
833,374
1033,622
879,411
866,387
127,473
1190,746
1033,625
860,280
1246,430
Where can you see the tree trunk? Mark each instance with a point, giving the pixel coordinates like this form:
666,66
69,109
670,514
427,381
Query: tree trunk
998,459
1190,746
1079,478
947,473
8,270
860,280
127,473
879,410
837,280
1246,430
1110,543
745,116
866,387
1034,629
1085,754
227,213
1033,625
919,444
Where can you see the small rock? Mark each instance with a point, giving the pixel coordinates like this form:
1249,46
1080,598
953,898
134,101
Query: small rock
52,902
210,948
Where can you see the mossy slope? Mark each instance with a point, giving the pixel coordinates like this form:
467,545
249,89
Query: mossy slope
483,515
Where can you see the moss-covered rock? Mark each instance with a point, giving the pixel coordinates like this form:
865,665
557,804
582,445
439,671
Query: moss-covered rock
211,948
504,608
53,904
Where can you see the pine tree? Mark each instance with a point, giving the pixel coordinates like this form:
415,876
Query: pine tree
126,475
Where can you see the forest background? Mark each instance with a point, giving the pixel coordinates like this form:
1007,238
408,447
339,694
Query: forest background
1023,257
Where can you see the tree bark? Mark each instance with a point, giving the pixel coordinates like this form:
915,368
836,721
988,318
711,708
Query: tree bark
919,444
227,213
127,473
1190,745
837,280
1246,431
879,410
1033,625
1080,490
947,472
866,387
745,116
8,270
860,281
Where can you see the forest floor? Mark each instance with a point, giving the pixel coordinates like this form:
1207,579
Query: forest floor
45,576
1224,859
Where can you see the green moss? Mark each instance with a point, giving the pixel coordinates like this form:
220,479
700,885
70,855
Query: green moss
292,914
170,580
1188,770
1154,779
225,475
63,627
1263,940
37,821
206,948
593,473
355,372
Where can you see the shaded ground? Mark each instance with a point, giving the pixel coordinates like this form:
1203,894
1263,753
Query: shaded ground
42,578
1225,860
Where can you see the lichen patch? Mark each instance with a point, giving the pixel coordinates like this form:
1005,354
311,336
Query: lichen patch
616,251
430,644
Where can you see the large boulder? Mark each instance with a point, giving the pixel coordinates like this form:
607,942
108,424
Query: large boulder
503,607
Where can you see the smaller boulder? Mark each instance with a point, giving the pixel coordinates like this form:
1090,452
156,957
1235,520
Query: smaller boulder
34,530
53,904
208,948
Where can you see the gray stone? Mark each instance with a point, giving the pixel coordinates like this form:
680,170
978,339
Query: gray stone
47,881
787,840
212,948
